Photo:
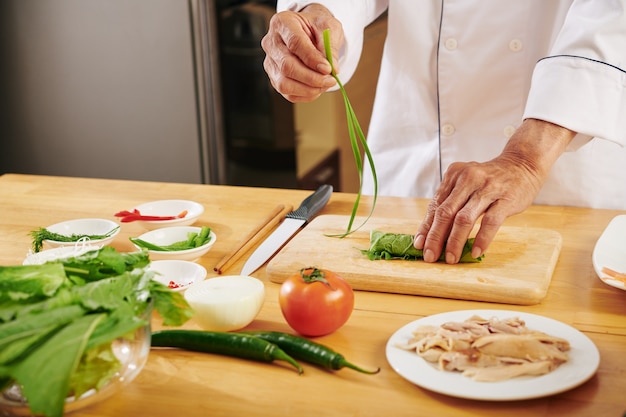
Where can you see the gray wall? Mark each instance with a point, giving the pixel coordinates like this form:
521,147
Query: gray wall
98,89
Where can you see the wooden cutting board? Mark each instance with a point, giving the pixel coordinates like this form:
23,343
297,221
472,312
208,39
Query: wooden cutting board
517,268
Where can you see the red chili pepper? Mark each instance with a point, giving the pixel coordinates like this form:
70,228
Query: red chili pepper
172,284
128,216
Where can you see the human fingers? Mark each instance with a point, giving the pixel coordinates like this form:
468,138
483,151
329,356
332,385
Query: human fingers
435,228
493,190
320,20
291,88
295,66
457,210
490,223
485,203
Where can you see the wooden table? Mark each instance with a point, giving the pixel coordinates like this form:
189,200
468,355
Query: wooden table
178,383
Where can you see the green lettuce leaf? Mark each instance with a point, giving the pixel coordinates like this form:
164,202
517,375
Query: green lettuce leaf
102,263
30,282
171,305
45,374
95,369
389,246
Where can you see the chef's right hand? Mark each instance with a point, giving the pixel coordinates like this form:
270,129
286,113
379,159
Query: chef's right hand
295,59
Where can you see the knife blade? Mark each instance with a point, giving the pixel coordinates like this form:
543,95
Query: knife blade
293,222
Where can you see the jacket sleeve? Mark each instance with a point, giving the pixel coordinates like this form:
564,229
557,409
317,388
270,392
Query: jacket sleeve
581,84
354,16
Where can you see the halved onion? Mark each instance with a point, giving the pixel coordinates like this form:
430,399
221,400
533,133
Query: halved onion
226,303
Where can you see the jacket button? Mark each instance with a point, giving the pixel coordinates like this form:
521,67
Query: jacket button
451,44
447,129
509,130
515,45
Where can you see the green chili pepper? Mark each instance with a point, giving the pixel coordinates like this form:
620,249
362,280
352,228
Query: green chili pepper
239,345
194,240
308,351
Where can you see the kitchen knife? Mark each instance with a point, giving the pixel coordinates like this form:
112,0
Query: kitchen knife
293,222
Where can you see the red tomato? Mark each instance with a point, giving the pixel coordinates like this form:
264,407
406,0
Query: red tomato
316,302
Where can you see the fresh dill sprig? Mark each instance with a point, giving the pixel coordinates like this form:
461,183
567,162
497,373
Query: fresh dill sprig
41,234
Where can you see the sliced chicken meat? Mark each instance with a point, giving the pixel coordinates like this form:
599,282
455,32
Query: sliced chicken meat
489,349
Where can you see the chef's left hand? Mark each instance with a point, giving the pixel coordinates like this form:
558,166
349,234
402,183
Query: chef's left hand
495,190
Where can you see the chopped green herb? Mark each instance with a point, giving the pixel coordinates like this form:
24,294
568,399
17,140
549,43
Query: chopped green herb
41,234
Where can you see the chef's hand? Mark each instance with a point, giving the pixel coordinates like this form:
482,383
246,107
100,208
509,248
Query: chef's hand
495,190
295,58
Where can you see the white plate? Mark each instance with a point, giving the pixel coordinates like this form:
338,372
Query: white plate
183,273
610,251
582,365
169,208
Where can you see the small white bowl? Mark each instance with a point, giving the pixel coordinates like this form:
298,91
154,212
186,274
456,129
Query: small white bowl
169,208
168,235
87,227
181,273
226,303
58,253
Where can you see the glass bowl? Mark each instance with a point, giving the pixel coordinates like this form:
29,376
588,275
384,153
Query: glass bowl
131,351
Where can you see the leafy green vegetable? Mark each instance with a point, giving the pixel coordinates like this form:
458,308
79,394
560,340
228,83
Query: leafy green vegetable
389,246
31,282
172,306
45,374
105,263
194,240
31,328
41,234
356,137
96,367
57,328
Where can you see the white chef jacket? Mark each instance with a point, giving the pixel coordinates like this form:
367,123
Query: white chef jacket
459,76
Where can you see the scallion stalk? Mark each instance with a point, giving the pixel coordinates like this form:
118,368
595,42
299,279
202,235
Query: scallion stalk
356,137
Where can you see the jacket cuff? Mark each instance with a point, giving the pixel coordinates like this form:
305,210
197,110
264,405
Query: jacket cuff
581,94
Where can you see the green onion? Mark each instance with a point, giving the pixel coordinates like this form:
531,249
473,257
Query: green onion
356,136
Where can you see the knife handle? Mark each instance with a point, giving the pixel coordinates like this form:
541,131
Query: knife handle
313,204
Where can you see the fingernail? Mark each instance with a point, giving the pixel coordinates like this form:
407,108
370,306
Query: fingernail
429,256
324,68
329,82
419,241
476,252
450,258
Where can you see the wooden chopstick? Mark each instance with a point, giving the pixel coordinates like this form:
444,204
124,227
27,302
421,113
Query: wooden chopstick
253,237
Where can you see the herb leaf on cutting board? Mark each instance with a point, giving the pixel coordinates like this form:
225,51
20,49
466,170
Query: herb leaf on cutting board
389,246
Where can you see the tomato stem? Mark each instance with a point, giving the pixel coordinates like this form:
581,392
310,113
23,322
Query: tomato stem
312,274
